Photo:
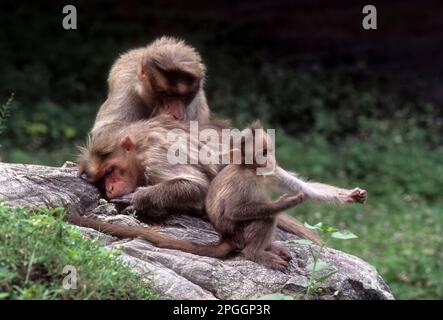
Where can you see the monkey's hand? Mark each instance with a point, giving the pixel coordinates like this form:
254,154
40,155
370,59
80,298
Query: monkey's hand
287,201
357,196
127,199
140,199
148,200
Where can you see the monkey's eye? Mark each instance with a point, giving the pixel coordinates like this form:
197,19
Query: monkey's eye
104,155
172,96
110,170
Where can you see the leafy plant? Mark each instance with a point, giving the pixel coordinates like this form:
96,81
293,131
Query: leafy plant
321,271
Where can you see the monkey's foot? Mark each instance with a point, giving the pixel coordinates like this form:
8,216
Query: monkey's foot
128,210
154,213
271,260
281,251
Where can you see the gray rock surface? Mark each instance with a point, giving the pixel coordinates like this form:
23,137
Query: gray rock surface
180,275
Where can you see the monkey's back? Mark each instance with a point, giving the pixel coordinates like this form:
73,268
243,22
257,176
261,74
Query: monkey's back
229,190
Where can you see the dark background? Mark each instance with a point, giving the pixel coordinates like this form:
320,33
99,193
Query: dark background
351,106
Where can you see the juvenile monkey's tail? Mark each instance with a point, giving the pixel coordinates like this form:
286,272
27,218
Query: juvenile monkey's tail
219,250
292,225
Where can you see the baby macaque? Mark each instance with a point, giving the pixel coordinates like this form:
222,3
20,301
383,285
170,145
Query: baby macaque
239,206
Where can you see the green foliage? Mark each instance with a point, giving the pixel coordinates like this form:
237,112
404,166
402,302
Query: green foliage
321,271
333,102
31,135
34,249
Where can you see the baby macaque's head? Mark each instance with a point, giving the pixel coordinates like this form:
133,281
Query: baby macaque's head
256,149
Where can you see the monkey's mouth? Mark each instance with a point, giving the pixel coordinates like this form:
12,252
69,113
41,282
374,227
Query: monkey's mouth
174,108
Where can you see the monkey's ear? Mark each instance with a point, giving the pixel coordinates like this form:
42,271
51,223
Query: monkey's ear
127,144
141,71
236,156
255,125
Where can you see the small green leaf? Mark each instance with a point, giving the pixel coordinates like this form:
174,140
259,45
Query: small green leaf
301,241
326,276
321,265
344,235
322,227
316,227
328,229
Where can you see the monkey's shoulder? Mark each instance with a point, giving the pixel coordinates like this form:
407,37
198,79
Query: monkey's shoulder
237,178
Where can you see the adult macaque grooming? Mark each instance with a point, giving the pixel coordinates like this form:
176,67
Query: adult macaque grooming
164,77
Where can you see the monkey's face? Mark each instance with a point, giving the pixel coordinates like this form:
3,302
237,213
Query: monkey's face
115,174
171,89
119,179
258,151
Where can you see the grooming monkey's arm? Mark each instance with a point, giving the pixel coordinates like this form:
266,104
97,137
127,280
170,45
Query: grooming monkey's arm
172,194
178,193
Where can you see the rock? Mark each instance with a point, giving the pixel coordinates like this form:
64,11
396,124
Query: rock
179,275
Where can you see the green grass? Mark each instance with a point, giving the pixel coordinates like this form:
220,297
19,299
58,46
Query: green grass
34,249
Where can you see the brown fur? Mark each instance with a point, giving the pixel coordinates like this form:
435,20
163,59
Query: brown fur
164,77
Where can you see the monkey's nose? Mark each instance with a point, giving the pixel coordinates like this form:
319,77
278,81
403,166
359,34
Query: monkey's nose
109,191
